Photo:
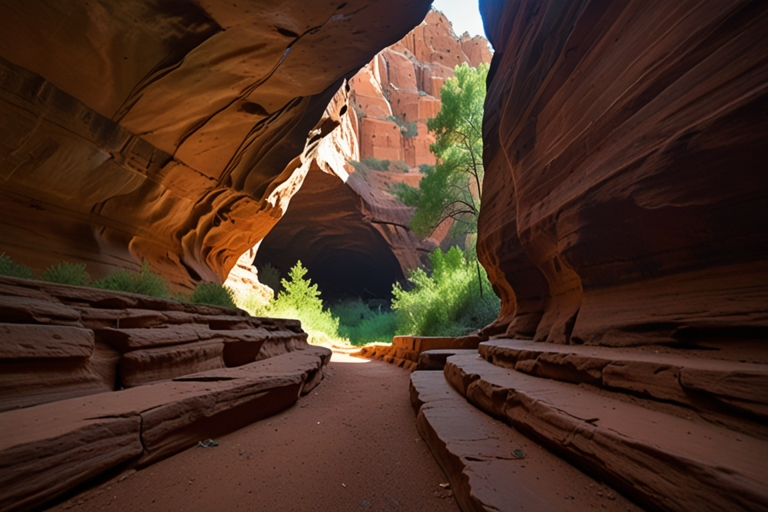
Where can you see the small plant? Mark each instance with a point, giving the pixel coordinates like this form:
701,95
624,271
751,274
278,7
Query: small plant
368,164
144,282
301,299
449,302
67,273
376,164
401,166
214,294
361,324
408,130
270,276
11,269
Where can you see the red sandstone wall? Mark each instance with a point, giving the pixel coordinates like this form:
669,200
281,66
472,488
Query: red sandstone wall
404,81
625,190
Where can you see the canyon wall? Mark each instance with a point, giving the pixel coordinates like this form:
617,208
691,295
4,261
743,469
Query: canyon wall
343,224
625,189
171,132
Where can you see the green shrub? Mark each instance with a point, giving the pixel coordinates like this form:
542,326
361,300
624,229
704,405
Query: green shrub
301,299
11,269
449,301
67,273
376,164
361,324
408,130
214,294
401,166
368,164
144,282
270,275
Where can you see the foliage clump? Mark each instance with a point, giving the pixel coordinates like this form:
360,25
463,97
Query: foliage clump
368,164
213,294
447,302
301,299
12,269
144,282
452,189
270,275
361,324
408,130
67,273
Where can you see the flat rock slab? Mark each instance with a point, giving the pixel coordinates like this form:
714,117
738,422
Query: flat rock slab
48,449
493,467
33,311
32,341
744,386
660,460
434,360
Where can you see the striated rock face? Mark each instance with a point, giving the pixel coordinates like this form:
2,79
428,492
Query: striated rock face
176,133
98,380
404,81
344,226
625,196
59,342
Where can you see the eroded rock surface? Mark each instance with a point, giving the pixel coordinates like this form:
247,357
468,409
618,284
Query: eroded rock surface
59,341
93,380
624,189
172,133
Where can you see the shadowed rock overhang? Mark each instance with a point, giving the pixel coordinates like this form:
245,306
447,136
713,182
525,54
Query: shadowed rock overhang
171,132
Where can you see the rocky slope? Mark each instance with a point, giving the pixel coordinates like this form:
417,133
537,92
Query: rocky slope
95,381
625,194
345,227
172,133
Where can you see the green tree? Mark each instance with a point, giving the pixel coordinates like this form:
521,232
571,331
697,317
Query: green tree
453,187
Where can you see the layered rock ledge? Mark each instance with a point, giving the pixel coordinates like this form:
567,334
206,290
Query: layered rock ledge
96,380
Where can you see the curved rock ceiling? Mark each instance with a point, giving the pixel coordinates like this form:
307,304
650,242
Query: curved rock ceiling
175,132
625,190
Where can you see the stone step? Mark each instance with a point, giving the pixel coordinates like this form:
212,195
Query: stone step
434,360
48,449
491,466
659,460
405,350
741,387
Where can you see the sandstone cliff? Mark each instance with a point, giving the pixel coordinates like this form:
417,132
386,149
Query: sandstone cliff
625,196
345,227
172,132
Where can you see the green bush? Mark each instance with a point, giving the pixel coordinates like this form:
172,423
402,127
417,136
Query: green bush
144,282
408,130
270,275
214,294
448,302
11,269
361,324
301,299
67,273
401,166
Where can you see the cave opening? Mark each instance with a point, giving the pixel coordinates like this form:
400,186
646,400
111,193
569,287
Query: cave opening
327,229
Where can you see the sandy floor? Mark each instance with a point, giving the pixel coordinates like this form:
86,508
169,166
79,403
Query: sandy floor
350,445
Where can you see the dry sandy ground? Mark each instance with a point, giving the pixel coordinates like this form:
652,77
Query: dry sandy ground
350,445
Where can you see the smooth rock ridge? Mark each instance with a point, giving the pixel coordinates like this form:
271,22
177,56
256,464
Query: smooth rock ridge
625,193
492,467
59,341
49,449
661,458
